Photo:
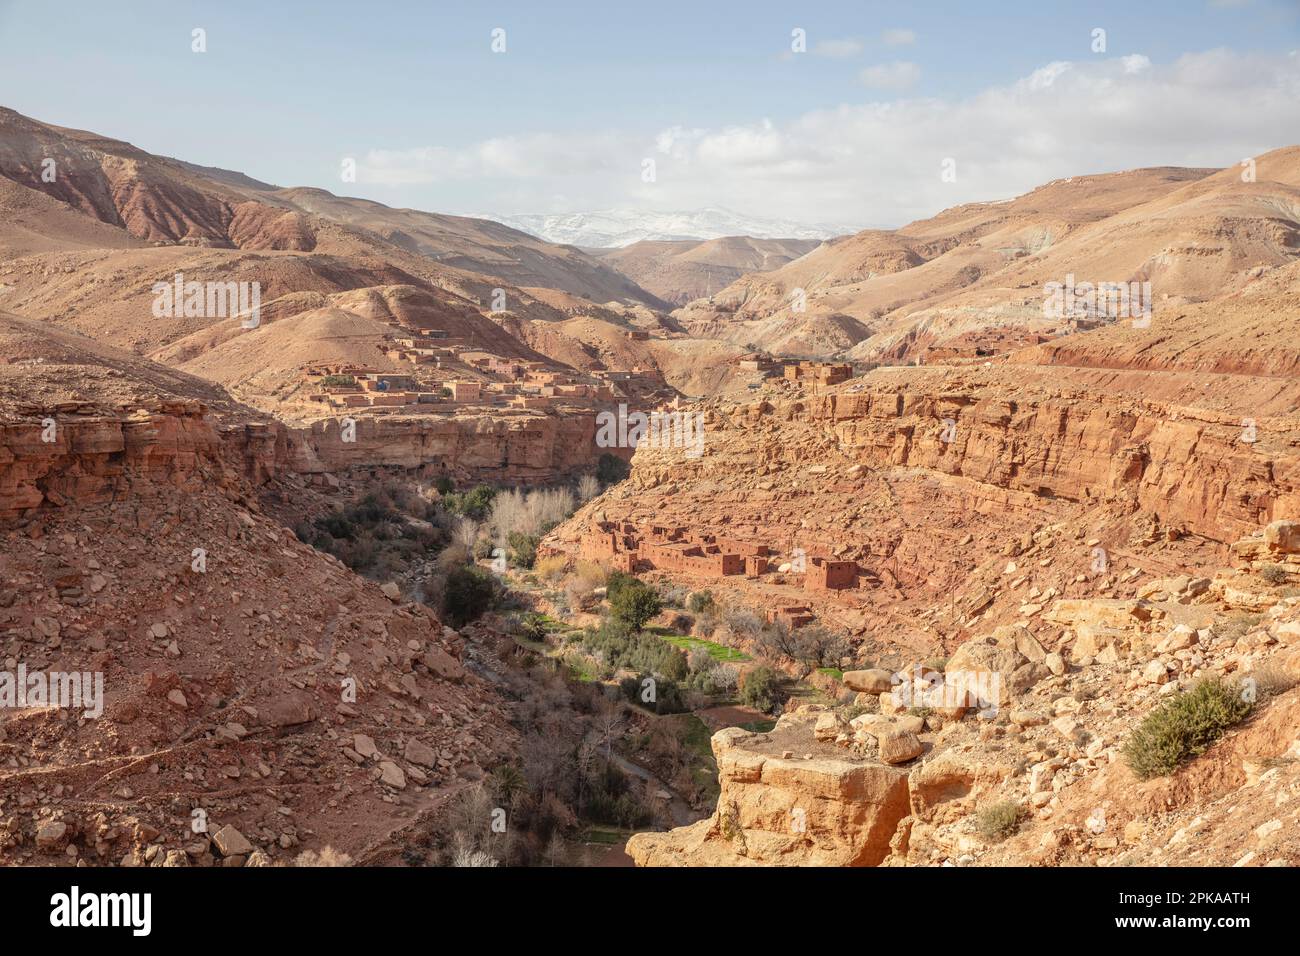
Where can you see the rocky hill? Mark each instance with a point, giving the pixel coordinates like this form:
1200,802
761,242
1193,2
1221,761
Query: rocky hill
1191,233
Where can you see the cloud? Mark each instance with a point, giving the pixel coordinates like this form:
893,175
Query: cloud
898,37
899,75
838,49
878,161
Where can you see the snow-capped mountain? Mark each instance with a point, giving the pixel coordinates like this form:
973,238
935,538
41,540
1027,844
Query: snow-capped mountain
615,228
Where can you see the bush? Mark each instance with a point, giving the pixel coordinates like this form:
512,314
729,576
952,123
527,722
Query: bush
1184,726
523,548
615,581
469,592
758,689
444,485
338,381
611,469
997,821
668,695
475,503
618,646
635,604
551,569
1275,574
533,627
699,601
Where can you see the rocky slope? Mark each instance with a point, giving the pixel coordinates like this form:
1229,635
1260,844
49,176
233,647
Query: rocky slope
899,771
258,698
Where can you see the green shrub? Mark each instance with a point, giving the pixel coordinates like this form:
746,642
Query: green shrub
533,627
470,591
997,821
1184,726
635,604
523,548
759,688
341,381
618,646
475,503
611,469
444,485
700,601
615,581
668,695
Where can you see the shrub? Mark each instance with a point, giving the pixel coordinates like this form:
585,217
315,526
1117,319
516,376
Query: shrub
997,821
551,569
758,688
533,627
339,381
615,644
590,573
615,581
472,504
468,593
667,694
588,487
1270,680
611,469
444,485
1274,574
636,603
1183,727
699,601
523,548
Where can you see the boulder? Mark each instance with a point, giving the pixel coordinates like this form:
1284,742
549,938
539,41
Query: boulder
877,680
899,746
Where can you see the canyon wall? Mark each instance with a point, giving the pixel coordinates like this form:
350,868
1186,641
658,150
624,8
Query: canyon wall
97,456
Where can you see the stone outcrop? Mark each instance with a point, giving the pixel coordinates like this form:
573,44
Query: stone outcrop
778,808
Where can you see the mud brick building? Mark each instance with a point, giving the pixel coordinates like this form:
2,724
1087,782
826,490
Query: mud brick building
827,574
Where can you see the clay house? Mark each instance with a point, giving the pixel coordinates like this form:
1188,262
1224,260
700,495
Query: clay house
828,574
466,391
636,335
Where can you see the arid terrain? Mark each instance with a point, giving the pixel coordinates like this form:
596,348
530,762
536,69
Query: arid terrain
341,503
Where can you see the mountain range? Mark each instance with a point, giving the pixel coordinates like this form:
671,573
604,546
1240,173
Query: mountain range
616,228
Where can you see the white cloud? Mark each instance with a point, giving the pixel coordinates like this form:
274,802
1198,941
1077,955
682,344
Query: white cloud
898,37
878,162
899,75
838,49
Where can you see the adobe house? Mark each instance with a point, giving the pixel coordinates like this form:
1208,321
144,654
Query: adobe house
466,391
755,564
826,574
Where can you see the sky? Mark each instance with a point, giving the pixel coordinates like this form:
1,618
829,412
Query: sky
888,113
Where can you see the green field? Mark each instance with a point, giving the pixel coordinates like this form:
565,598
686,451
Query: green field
719,652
